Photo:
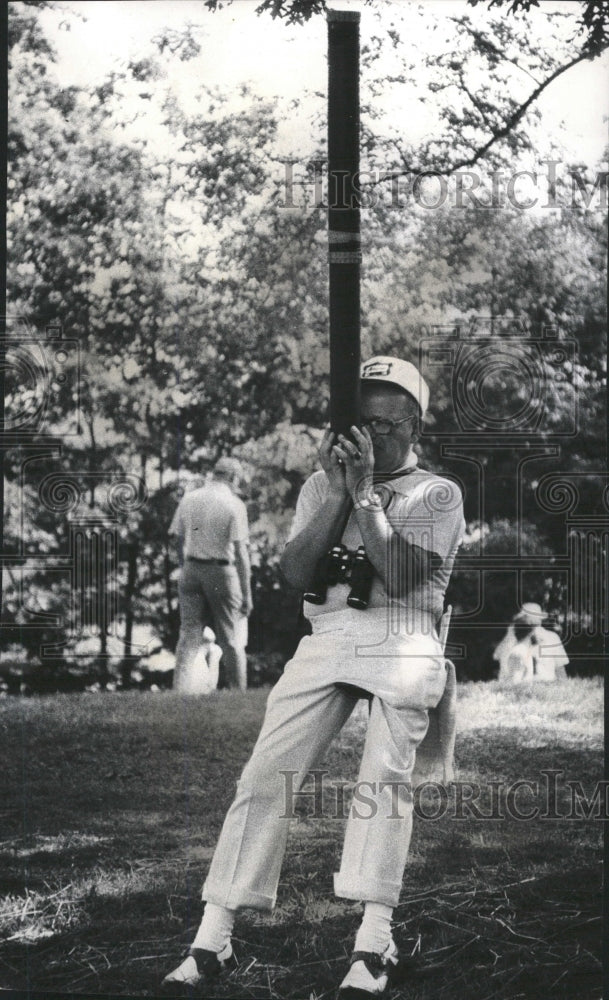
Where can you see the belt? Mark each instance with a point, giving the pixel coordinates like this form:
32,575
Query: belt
210,562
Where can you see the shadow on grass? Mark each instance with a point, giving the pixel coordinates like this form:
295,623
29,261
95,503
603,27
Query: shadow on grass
473,929
490,908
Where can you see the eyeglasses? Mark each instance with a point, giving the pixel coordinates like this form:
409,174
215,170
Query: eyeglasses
383,427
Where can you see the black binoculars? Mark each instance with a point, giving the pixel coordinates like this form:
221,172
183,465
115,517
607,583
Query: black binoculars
339,565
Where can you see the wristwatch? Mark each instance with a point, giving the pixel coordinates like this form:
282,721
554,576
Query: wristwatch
371,502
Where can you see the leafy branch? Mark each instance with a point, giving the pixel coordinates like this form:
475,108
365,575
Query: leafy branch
498,134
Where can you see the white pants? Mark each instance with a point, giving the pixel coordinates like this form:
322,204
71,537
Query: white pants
305,711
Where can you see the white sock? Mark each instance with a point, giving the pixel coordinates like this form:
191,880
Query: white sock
216,927
374,933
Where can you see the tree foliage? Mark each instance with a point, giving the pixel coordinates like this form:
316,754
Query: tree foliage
477,125
197,297
592,20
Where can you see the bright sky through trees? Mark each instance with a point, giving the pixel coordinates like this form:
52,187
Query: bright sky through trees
238,46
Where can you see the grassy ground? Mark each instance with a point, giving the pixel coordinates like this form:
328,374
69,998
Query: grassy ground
111,804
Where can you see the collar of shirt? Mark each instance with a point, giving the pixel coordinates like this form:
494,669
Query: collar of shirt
399,480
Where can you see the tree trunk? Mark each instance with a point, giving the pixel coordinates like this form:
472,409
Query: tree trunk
101,597
132,554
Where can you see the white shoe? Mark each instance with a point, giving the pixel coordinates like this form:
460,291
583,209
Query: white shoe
199,966
369,974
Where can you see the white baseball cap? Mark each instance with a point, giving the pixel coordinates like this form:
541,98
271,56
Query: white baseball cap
398,372
530,614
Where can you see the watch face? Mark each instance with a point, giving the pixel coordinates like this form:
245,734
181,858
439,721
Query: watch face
371,497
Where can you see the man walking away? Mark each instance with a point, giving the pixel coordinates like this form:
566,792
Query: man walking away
211,531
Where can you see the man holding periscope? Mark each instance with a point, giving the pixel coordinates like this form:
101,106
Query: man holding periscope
383,645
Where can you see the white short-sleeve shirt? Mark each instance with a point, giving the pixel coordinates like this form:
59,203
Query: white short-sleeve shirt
209,520
427,510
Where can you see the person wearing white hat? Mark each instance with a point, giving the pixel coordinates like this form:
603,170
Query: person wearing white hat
211,530
372,496
529,651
